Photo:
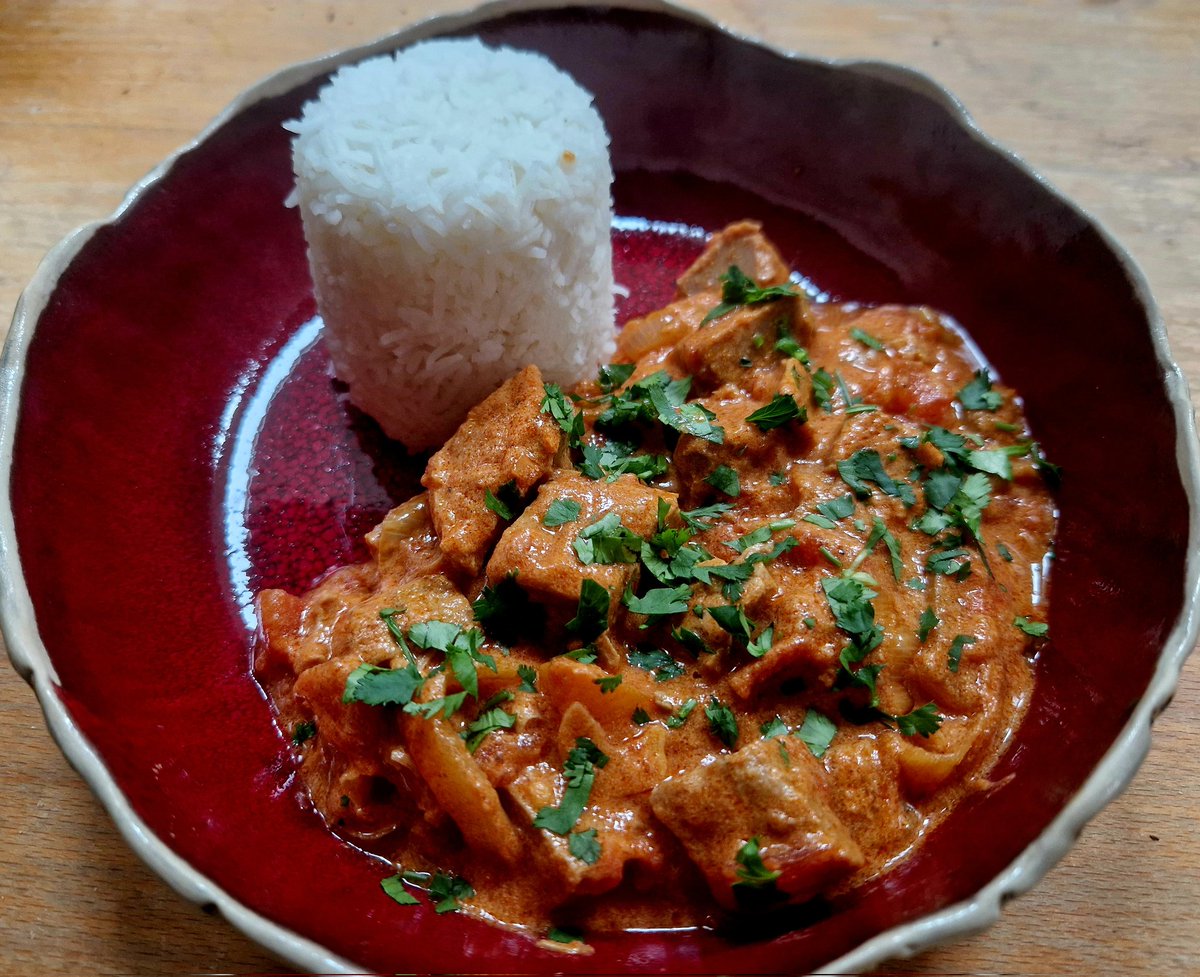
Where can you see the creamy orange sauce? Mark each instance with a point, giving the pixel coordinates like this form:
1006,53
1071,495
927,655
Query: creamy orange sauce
685,802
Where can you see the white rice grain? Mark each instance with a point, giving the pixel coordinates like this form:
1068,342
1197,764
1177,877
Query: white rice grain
456,204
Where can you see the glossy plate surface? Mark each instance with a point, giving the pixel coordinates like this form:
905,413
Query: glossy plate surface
181,443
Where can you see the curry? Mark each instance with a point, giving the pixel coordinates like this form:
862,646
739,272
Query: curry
732,626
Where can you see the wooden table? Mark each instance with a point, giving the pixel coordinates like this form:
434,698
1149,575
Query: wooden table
1102,95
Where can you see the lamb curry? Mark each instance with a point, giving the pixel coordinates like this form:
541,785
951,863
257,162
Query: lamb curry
733,625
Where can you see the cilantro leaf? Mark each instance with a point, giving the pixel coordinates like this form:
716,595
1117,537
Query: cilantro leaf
680,717
591,615
823,385
725,479
505,502
447,705
303,731
607,541
694,418
817,732
1035,629
658,662
772,728
956,649
375,686
751,872
615,458
979,395
866,466
558,934
393,885
579,773
447,891
585,846
659,602
722,722
561,512
929,620
732,619
702,519
609,683
528,675
924,721
738,288
779,411
615,375
640,717
488,722
762,642
865,338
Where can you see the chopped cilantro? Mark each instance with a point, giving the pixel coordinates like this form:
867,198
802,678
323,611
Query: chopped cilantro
702,519
615,375
924,721
659,602
610,683
657,661
779,411
561,512
528,675
607,541
375,686
915,583
680,717
751,872
725,479
640,717
591,615
556,404
303,731
762,642
1004,552
865,338
738,288
557,934
393,885
691,641
505,501
810,622
817,732
927,623
616,458
579,774
979,395
823,385
950,563
772,728
956,649
488,722
722,722
777,478
585,846
1035,629
865,466
460,647
732,619
446,891
447,705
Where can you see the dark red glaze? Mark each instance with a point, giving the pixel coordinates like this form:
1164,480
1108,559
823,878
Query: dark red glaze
181,443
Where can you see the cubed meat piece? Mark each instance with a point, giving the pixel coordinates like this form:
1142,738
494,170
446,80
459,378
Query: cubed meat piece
621,830
747,449
777,796
505,438
738,348
741,244
546,564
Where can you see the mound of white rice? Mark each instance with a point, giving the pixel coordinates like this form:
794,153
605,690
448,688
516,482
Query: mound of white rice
457,208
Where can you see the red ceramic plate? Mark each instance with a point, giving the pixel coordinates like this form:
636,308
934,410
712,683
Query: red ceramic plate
178,442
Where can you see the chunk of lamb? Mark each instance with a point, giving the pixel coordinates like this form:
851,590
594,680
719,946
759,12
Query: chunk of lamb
759,793
741,244
505,438
543,558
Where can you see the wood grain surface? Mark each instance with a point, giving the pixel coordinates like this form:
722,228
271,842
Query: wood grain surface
1102,96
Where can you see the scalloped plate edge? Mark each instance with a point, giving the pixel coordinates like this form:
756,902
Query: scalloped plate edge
31,660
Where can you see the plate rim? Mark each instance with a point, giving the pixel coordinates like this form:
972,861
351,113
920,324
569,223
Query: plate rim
29,657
